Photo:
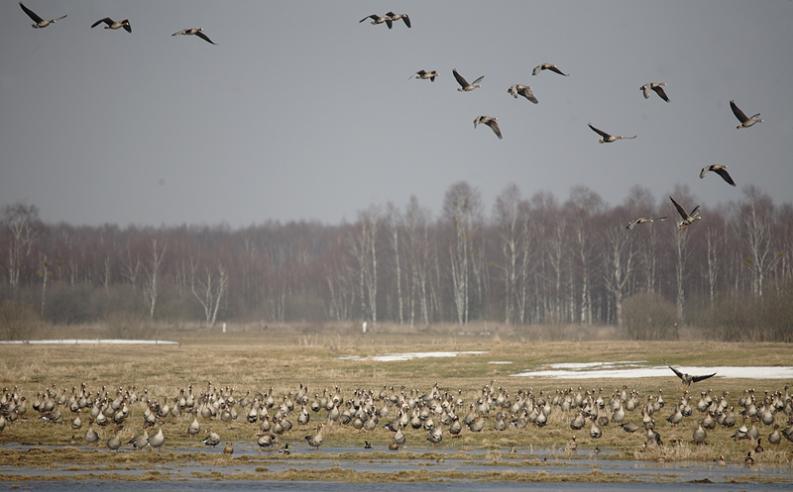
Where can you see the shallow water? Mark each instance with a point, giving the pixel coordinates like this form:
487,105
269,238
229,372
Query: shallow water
618,370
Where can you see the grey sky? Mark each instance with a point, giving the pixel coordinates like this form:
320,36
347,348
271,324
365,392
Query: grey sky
301,112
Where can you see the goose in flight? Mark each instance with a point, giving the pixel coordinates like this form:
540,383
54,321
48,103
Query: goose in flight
194,31
746,121
425,74
522,90
114,25
688,379
547,66
644,220
39,23
378,19
719,169
657,87
606,138
688,218
464,85
397,17
489,121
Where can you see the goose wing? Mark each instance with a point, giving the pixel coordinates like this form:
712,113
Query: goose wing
737,112
697,379
106,20
724,175
406,19
693,211
632,224
479,79
460,79
683,215
536,70
526,92
553,68
31,14
645,90
203,36
660,219
599,132
181,32
128,27
703,171
678,373
493,124
660,91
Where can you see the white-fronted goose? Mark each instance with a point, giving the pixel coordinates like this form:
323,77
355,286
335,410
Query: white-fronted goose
688,218
489,121
114,25
644,220
315,440
608,138
378,19
194,31
547,66
425,75
657,87
464,85
746,121
212,439
522,90
157,440
397,17
686,378
39,23
719,169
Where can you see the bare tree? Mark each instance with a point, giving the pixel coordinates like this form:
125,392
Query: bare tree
364,247
394,220
44,273
619,266
461,208
506,212
208,290
756,222
19,220
151,291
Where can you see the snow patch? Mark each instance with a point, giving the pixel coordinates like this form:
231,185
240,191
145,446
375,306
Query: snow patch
410,356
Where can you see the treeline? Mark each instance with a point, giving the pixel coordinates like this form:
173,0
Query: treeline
525,260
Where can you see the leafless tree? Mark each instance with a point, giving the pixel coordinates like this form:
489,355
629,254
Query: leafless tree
208,290
462,207
151,291
619,266
19,220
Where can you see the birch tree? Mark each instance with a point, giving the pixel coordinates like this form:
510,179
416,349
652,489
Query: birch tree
151,290
208,289
461,207
619,256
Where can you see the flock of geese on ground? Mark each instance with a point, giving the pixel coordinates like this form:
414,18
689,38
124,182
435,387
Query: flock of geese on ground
438,413
524,90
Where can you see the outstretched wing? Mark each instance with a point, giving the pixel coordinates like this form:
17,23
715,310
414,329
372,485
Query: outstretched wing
106,20
373,17
599,132
737,112
660,91
204,37
678,373
697,379
526,92
536,69
694,211
460,79
406,19
632,224
703,171
493,124
683,215
724,175
553,68
128,27
31,14
479,79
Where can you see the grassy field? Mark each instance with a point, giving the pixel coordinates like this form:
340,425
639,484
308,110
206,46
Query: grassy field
256,358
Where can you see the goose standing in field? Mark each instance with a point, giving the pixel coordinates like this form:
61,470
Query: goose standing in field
157,440
686,378
140,441
547,66
39,23
212,439
688,218
114,25
378,19
657,87
397,17
746,121
194,427
644,220
719,169
522,90
607,138
315,441
91,436
114,443
425,75
489,121
464,85
194,31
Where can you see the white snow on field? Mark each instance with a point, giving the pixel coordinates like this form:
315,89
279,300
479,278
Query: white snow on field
500,362
598,372
87,341
410,356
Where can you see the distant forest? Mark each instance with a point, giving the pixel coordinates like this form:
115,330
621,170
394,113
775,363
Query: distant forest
523,260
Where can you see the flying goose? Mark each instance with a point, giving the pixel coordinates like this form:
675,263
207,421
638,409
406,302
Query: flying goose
114,25
719,169
489,121
688,219
686,378
464,85
606,138
522,90
746,121
547,66
644,220
425,74
397,17
378,19
39,23
657,87
194,31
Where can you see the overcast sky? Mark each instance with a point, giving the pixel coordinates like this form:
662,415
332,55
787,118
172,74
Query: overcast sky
300,112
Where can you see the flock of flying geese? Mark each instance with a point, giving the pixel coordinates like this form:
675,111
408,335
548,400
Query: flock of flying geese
402,412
